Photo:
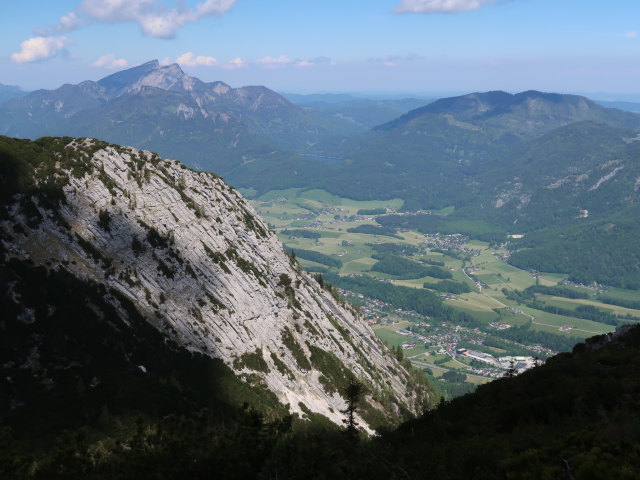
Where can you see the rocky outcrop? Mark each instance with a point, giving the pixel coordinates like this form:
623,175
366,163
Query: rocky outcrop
203,268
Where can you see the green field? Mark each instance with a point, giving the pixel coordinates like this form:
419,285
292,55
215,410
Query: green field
332,217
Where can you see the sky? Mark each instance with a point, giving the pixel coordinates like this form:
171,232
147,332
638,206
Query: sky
314,46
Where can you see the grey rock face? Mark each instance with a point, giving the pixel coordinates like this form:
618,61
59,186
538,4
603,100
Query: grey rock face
205,269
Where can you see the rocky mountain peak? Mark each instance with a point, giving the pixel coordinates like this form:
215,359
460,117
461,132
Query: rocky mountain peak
219,125
123,81
150,74
202,268
166,77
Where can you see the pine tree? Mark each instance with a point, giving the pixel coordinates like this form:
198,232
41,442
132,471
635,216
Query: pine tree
353,393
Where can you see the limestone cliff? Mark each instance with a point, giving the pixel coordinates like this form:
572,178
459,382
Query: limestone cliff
204,269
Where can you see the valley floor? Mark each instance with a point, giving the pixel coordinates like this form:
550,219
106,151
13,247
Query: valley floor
508,332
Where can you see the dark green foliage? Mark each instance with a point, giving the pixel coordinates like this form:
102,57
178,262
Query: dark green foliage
217,304
602,251
30,168
296,350
316,257
246,266
372,211
374,230
557,290
454,376
335,376
525,335
252,361
301,233
405,269
437,263
309,326
398,353
218,257
620,302
588,312
353,394
284,280
394,249
344,333
580,409
107,181
448,286
425,223
420,301
281,366
253,225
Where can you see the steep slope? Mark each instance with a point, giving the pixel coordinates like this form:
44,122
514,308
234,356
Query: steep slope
196,263
77,354
583,166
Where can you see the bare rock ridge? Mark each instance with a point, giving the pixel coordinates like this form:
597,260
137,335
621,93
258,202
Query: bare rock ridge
204,269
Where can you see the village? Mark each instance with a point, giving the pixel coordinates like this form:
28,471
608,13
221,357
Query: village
444,346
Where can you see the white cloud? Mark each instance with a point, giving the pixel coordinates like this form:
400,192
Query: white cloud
234,64
440,6
110,61
69,22
283,60
271,62
153,17
37,49
630,35
190,60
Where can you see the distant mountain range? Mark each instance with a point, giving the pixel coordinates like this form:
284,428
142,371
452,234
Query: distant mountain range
254,137
518,162
560,168
455,150
214,126
358,113
8,92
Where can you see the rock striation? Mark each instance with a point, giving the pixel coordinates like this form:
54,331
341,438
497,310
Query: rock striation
204,269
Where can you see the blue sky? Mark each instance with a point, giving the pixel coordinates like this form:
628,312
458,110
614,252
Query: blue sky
412,46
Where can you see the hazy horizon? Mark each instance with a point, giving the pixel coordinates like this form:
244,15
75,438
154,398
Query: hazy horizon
390,46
